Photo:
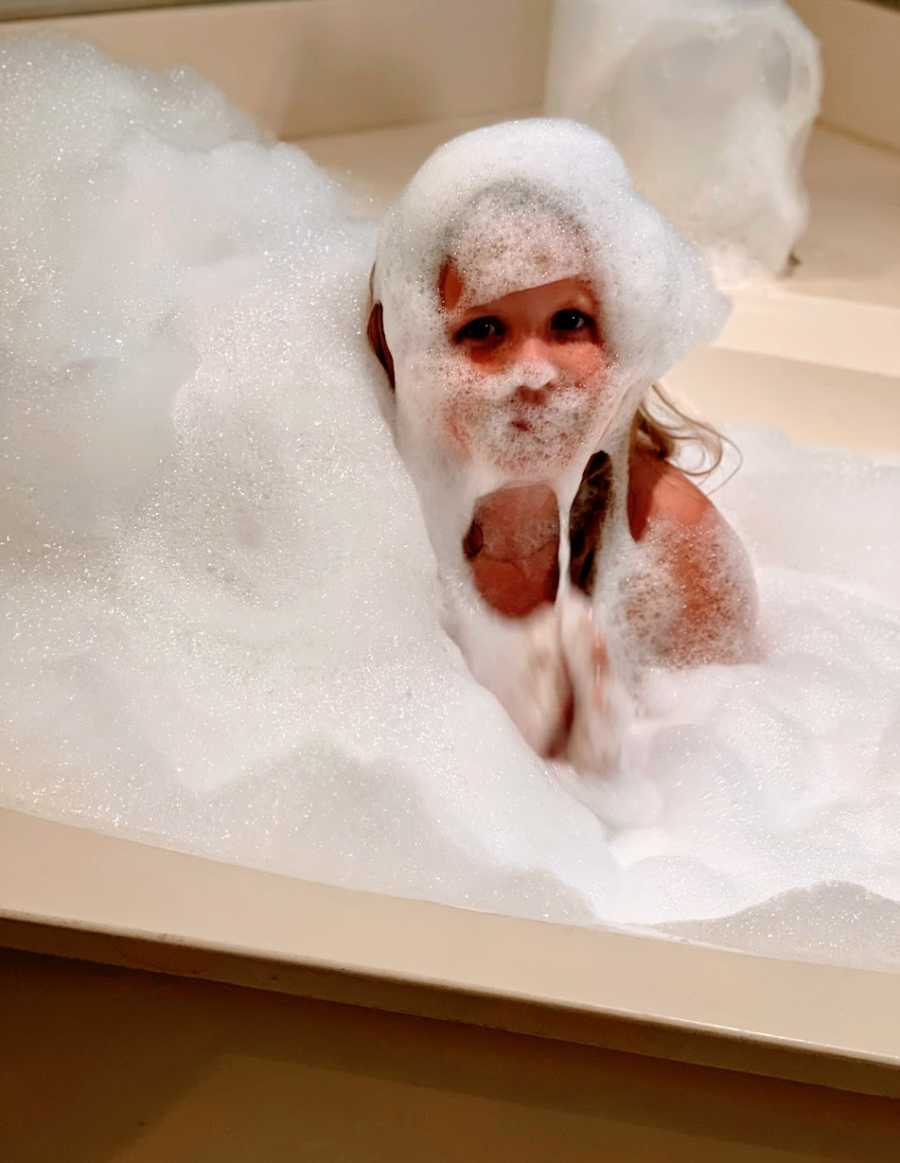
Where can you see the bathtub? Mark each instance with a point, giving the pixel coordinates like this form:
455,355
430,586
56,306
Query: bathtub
163,1006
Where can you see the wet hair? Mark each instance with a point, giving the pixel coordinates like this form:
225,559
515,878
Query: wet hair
663,429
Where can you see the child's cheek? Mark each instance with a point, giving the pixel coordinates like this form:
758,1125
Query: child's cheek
464,404
587,364
457,415
455,432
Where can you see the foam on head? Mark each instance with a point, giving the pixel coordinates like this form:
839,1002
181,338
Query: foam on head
500,187
515,206
512,236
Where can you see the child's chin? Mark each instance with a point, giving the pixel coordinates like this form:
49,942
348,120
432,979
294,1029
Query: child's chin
528,459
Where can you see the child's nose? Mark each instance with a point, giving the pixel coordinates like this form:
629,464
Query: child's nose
533,349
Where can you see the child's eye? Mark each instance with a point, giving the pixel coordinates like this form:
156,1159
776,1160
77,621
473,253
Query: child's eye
479,330
571,320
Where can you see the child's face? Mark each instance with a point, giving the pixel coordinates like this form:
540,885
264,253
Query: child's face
532,371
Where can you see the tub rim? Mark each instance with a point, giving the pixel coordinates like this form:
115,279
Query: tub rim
74,893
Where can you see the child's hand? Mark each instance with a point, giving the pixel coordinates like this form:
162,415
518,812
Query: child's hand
594,738
533,682
551,672
558,687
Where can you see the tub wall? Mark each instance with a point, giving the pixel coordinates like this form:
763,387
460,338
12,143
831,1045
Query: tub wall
331,66
861,50
148,1068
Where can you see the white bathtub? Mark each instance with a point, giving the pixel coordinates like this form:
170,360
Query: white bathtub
275,1018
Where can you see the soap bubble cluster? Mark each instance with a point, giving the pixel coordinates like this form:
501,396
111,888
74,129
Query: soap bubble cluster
219,627
711,104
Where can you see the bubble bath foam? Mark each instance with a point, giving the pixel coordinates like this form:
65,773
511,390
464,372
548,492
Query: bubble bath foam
219,620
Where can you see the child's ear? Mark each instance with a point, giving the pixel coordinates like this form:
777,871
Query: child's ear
378,343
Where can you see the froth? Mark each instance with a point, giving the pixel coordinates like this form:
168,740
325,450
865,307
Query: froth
511,237
710,104
219,628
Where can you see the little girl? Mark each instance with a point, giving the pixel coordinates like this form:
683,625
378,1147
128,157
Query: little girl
525,300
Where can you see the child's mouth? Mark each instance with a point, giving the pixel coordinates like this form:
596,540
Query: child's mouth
520,425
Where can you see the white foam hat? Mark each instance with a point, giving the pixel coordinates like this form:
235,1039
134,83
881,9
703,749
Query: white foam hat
656,297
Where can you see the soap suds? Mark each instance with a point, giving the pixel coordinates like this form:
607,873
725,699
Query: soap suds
219,627
658,78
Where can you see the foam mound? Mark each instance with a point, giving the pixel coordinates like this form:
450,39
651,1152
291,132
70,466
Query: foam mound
219,628
658,78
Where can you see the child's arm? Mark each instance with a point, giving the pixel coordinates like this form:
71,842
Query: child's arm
709,568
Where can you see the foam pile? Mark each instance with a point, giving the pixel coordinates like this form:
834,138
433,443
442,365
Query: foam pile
219,628
659,77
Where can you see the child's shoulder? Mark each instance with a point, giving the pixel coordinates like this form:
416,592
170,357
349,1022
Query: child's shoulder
707,564
658,491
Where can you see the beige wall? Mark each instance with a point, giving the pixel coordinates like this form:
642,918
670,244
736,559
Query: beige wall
331,66
861,51
16,9
328,66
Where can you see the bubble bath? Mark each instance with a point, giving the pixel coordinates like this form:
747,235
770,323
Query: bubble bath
220,626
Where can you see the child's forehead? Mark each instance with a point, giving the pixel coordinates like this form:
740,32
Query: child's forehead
455,293
491,257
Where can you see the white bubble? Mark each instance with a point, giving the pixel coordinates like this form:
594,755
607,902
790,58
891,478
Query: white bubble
710,104
219,625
